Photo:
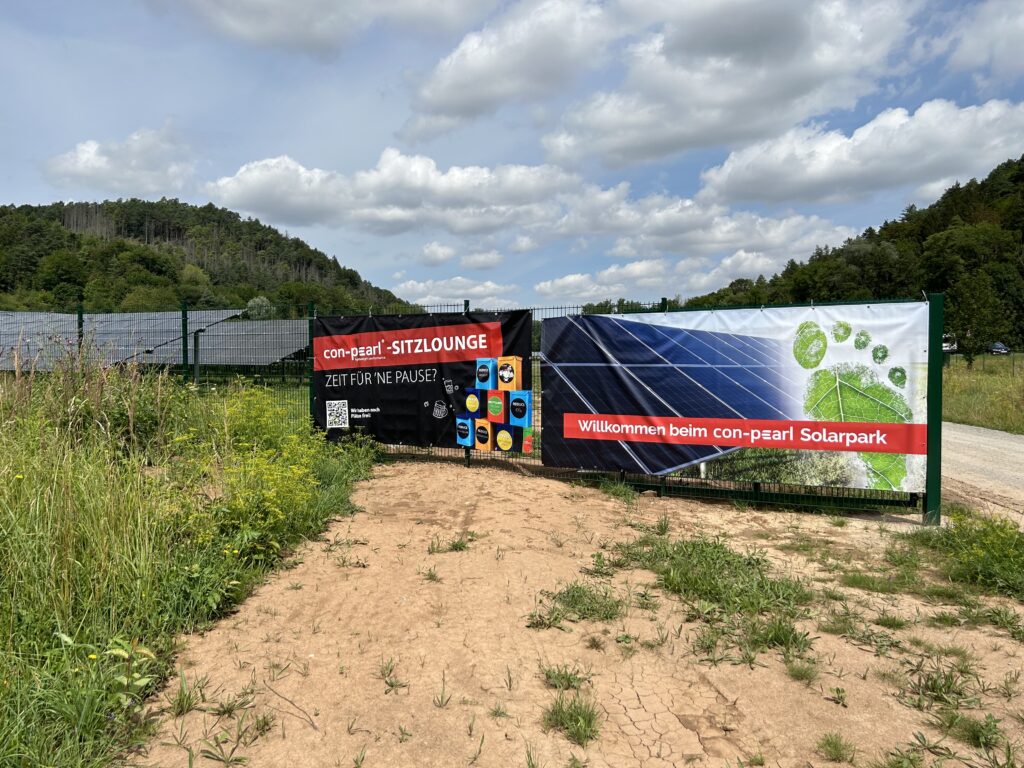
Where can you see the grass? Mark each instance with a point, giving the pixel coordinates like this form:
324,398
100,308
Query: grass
979,396
562,677
890,621
977,550
802,671
745,606
976,732
578,601
133,509
575,716
835,749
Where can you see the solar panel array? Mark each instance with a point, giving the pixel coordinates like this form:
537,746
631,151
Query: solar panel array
39,340
243,343
608,365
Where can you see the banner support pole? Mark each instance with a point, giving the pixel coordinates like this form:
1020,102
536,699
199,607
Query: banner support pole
311,316
933,473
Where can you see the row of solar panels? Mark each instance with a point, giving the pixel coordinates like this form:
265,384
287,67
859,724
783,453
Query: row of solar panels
39,340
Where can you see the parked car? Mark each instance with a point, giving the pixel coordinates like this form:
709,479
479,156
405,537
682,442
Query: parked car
999,349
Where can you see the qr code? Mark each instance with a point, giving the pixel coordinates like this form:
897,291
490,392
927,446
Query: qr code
337,414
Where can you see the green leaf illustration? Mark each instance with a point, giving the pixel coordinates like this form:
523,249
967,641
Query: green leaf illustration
810,344
847,392
841,331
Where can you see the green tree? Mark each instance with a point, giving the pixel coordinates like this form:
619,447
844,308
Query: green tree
977,316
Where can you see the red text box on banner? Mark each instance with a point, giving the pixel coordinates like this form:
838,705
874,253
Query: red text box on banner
869,437
410,346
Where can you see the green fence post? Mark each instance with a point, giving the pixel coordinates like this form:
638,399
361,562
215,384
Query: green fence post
81,327
311,315
195,355
933,471
465,305
664,304
184,342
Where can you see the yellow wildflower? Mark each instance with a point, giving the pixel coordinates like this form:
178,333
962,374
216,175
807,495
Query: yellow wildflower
93,656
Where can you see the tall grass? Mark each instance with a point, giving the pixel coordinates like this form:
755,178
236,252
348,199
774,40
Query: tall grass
991,394
132,509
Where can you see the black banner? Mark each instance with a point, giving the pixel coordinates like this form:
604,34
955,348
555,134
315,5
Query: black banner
404,380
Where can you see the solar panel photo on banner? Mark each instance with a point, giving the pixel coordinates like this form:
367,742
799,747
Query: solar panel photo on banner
607,365
807,395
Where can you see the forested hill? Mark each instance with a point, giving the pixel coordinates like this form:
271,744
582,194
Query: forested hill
968,245
134,255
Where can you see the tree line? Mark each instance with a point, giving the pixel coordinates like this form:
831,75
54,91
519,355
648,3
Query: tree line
968,245
137,255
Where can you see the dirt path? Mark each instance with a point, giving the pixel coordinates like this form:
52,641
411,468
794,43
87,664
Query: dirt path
300,675
983,466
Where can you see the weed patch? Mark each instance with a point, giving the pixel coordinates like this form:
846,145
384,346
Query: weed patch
132,509
575,716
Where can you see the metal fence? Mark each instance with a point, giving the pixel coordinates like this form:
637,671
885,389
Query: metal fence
271,347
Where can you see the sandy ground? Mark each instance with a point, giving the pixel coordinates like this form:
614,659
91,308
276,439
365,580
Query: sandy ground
303,656
984,467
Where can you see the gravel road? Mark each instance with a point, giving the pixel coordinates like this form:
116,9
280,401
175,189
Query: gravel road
983,466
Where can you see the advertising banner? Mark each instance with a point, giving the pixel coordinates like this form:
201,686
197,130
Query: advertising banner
828,395
426,380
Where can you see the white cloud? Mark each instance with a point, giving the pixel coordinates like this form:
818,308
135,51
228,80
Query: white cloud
482,260
410,194
322,27
620,280
533,50
403,192
453,290
149,162
435,254
654,277
723,71
990,39
927,149
522,244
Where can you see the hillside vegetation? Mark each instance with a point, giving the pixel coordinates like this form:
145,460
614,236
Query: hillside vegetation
134,255
967,245
131,510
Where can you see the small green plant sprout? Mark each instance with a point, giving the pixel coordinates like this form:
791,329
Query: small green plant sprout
186,697
600,567
575,762
403,734
661,528
532,761
498,711
834,748
562,677
479,749
837,696
357,761
386,672
431,575
575,716
595,643
443,696
509,680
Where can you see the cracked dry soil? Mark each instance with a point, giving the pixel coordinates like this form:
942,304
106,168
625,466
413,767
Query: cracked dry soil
302,657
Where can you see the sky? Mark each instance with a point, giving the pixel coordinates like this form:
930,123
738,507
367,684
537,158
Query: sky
520,153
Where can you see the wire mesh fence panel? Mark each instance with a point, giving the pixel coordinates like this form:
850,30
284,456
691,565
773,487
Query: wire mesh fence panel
270,347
